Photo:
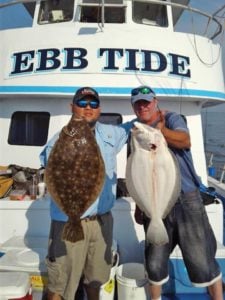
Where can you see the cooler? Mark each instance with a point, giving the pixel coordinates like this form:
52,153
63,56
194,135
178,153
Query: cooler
24,218
15,286
26,255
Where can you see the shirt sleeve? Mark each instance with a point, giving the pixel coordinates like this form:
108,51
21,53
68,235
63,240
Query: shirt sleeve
124,130
176,121
47,149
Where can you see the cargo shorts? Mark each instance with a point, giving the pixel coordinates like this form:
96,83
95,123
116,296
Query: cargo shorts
187,226
91,258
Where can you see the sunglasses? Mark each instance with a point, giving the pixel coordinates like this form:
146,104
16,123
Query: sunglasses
94,104
143,90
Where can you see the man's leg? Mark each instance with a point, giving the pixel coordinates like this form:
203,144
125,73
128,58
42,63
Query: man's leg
155,291
92,293
53,296
216,290
99,257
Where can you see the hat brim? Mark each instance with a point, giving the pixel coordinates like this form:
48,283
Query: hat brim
75,99
147,97
89,95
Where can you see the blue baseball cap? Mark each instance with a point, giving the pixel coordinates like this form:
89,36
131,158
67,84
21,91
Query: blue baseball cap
142,93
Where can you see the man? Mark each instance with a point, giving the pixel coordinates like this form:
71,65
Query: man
187,224
91,258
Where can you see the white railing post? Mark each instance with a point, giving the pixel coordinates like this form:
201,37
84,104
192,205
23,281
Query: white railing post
222,174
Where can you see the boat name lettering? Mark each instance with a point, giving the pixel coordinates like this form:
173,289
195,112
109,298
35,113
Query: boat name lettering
75,59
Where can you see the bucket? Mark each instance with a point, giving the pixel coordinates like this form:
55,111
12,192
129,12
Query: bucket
132,282
15,286
212,171
107,290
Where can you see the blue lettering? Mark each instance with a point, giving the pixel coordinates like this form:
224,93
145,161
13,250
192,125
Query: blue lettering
110,57
180,64
22,62
75,55
48,59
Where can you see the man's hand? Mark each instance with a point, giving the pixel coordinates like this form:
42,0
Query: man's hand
161,124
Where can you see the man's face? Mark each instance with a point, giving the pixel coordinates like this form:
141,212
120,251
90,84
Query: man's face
89,113
145,110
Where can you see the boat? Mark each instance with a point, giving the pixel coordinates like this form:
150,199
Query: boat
53,47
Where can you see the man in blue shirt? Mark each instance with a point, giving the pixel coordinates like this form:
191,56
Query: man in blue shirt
91,257
187,224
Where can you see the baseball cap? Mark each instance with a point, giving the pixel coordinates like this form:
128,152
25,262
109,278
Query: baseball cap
85,91
142,93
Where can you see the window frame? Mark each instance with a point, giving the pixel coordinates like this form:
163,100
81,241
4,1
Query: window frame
25,126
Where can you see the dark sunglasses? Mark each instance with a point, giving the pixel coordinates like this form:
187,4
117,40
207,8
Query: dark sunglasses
84,103
143,90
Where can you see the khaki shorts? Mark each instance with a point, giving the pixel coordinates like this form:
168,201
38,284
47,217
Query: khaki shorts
91,257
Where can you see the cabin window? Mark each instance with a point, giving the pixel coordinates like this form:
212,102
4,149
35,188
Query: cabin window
29,128
91,11
55,11
111,118
149,13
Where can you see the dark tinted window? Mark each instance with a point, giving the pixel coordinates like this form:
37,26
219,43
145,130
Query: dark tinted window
111,118
55,11
149,13
29,128
93,14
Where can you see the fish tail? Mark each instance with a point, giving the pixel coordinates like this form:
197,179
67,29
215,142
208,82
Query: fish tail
156,232
73,232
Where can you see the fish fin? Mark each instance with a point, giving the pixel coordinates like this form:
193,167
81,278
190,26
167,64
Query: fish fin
156,232
73,231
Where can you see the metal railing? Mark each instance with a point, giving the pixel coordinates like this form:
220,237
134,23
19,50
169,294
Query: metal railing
216,168
160,2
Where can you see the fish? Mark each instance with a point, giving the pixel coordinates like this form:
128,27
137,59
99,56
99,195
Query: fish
75,174
153,178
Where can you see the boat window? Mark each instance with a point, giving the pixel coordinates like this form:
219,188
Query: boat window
111,118
90,14
91,11
29,128
55,11
149,13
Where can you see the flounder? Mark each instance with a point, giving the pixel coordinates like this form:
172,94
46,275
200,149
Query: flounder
75,174
152,178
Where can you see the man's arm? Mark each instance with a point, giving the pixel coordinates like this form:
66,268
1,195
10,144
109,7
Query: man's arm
175,138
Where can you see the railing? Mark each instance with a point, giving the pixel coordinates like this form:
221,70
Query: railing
216,167
159,2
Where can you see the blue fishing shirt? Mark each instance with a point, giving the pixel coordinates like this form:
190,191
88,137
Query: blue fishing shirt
110,139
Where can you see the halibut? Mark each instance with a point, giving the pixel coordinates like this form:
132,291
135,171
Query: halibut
152,178
75,174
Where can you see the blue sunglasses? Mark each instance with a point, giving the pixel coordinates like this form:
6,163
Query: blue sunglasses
82,103
143,90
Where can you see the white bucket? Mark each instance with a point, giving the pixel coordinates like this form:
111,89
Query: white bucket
15,285
132,282
107,290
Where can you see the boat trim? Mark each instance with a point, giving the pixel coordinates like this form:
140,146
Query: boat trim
124,91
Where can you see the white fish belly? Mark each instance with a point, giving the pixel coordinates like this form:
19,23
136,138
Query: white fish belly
138,179
153,181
